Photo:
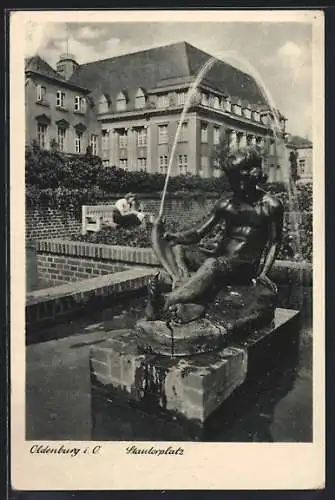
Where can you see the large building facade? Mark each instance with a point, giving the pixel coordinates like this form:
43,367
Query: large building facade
128,108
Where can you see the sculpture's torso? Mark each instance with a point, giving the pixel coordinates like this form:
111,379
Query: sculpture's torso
246,230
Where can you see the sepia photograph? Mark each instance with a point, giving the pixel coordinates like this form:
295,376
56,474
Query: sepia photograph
169,172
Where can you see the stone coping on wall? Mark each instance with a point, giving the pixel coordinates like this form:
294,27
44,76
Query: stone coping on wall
48,306
101,285
134,255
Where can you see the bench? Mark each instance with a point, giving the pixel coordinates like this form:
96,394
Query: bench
94,215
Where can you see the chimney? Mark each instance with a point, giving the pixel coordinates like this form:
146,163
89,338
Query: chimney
66,65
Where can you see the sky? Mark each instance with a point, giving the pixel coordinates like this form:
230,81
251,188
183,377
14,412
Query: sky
278,54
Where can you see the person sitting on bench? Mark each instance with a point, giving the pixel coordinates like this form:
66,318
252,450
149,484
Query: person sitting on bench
126,213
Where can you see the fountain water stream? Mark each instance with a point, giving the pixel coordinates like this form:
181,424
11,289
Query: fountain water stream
275,126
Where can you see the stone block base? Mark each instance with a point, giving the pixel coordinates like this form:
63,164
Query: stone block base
192,387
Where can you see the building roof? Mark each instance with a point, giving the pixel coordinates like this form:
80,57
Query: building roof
150,68
38,65
296,141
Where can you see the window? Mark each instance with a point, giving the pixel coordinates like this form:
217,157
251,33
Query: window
123,139
103,105
60,98
216,135
247,112
203,164
204,132
182,164
80,104
302,166
142,137
105,163
142,164
181,98
139,99
216,102
163,164
105,142
94,144
163,101
256,116
78,142
41,93
124,163
237,109
227,105
183,132
61,135
204,99
42,130
162,134
121,102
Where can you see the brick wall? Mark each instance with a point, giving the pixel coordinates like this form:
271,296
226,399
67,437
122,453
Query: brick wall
50,223
57,269
45,223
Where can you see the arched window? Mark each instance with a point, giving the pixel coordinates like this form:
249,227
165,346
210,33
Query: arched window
121,102
216,102
140,99
103,104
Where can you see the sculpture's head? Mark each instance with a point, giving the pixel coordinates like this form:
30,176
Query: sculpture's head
244,171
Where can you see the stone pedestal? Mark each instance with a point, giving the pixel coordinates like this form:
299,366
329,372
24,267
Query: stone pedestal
192,387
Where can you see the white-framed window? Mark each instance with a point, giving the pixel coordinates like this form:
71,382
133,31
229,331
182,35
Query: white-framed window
103,104
121,102
181,98
163,164
183,137
142,137
124,163
142,164
123,139
216,102
80,104
105,142
204,132
78,142
256,116
105,163
204,99
163,101
60,101
227,104
216,135
94,144
247,113
41,93
203,164
139,99
182,164
61,138
237,109
162,134
42,135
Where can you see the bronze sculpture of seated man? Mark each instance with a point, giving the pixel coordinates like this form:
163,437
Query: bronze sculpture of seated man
247,243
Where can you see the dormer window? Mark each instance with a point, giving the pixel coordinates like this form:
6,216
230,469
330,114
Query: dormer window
60,102
41,93
216,102
121,102
227,104
163,101
247,113
204,99
103,104
237,108
181,98
80,104
140,99
256,115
